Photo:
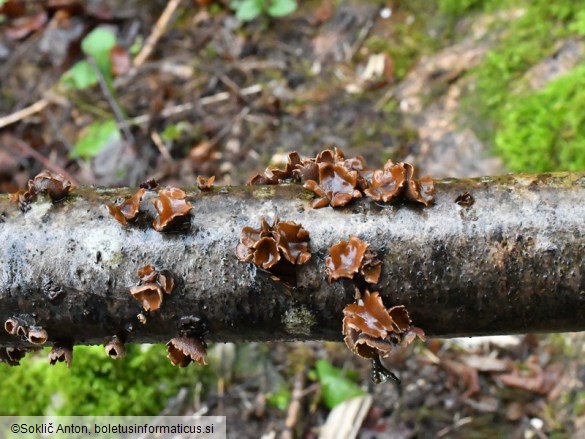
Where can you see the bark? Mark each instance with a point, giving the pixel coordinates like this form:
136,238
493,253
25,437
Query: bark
510,263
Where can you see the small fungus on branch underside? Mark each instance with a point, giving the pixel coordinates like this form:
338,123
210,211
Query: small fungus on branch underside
172,209
37,335
371,330
11,356
115,348
183,350
348,258
128,210
54,185
11,326
61,353
153,283
265,246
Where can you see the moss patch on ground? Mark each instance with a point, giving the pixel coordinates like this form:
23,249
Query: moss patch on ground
532,130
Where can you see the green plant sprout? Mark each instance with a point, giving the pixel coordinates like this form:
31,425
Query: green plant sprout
247,10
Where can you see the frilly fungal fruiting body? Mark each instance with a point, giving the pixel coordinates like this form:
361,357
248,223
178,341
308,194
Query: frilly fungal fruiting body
54,185
397,181
60,354
336,186
370,330
11,356
348,258
128,210
277,176
172,210
183,350
50,183
267,246
386,185
150,294
336,180
205,184
115,348
153,284
37,335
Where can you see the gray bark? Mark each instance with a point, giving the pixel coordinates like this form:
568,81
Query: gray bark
513,262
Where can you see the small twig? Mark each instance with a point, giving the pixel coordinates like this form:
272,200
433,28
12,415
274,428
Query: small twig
294,408
37,107
20,145
156,33
158,141
182,108
233,87
363,34
112,102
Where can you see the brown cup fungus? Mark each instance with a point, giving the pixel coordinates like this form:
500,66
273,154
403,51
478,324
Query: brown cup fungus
337,180
37,335
205,184
275,248
50,183
150,294
273,176
172,210
350,258
11,356
153,285
115,348
184,350
60,354
372,331
336,186
12,325
128,210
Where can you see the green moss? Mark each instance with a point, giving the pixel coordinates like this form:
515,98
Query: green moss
531,130
544,130
139,384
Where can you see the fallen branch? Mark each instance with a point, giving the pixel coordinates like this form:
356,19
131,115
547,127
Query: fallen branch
512,262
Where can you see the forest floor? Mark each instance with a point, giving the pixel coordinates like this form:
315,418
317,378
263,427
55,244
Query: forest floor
220,97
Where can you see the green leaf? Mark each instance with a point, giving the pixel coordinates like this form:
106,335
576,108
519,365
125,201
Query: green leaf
335,385
97,136
280,8
98,44
279,399
173,132
98,41
82,75
247,10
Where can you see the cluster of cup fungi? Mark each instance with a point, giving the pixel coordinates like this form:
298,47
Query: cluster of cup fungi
370,329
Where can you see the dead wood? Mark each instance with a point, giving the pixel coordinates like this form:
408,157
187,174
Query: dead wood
511,262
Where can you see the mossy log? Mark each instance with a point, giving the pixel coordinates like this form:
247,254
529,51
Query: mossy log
511,262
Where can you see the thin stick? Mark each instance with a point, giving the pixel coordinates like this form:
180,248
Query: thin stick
112,102
158,30
158,141
37,107
294,408
207,100
23,147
